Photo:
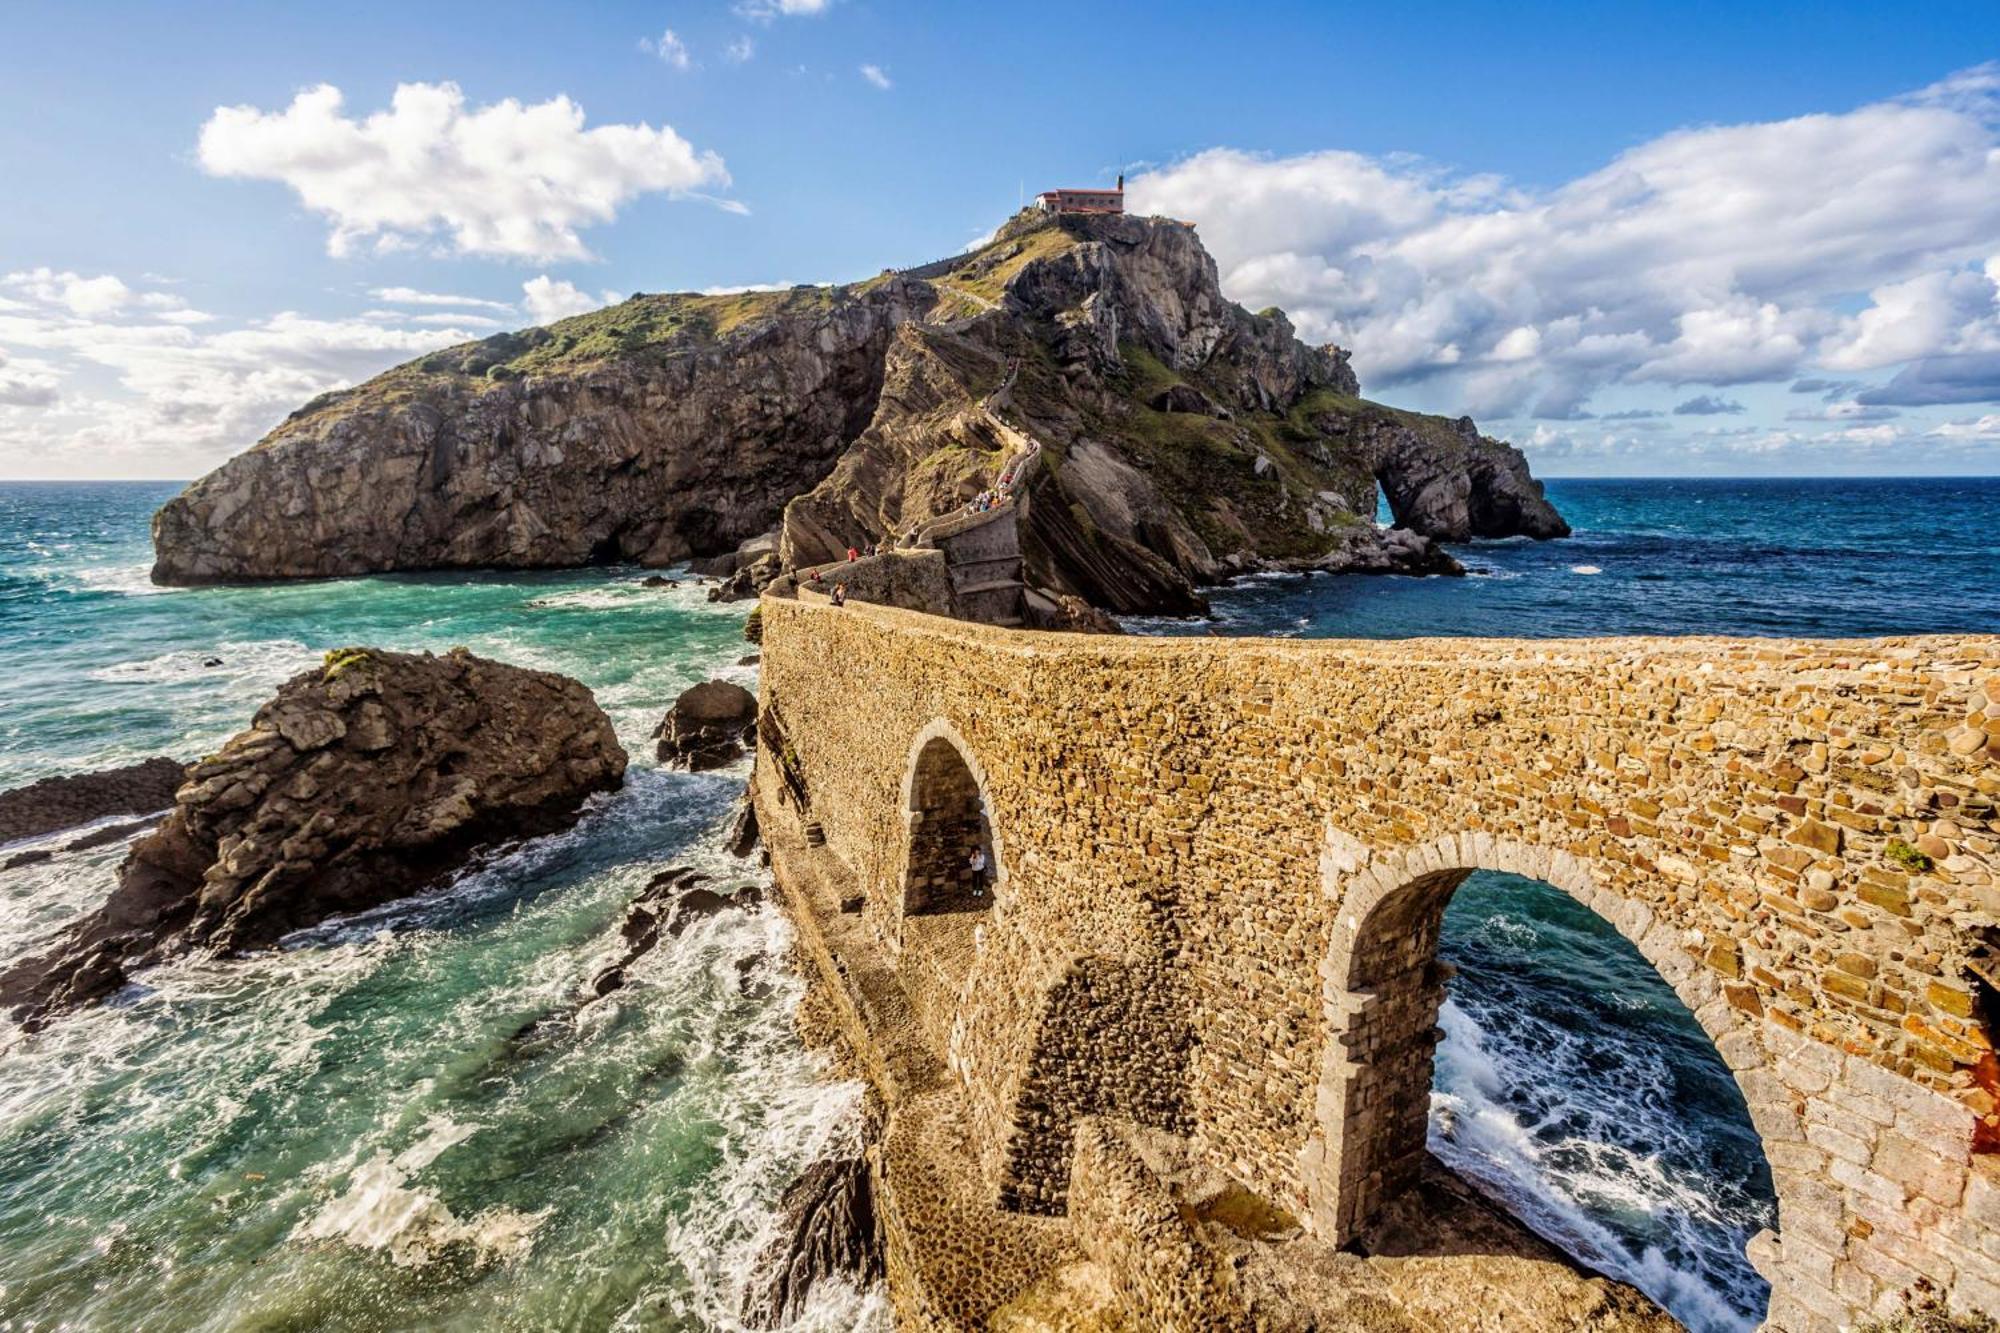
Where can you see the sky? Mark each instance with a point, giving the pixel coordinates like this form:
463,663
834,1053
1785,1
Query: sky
1694,239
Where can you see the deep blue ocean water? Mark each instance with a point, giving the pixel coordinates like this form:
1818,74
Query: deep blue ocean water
1819,558
342,1135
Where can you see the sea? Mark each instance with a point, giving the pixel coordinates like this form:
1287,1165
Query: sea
348,1134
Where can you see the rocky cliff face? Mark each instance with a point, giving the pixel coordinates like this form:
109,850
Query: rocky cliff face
661,428
355,785
1182,438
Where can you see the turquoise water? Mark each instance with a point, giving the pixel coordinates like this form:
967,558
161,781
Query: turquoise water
348,1133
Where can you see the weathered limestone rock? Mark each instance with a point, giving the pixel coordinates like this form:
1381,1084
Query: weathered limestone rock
663,428
672,901
1181,437
64,802
708,726
355,785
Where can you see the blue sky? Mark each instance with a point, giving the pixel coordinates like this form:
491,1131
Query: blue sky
1621,235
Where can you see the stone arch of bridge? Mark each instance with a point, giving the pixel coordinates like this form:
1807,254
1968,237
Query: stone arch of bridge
1384,986
947,813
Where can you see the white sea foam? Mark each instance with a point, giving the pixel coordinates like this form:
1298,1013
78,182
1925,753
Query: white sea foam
380,1211
1560,1181
130,580
1585,569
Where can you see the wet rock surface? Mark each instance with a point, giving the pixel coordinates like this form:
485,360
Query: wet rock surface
828,1228
708,726
65,802
357,784
672,901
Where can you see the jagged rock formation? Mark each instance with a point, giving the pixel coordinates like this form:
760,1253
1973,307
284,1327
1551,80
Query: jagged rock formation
672,901
708,726
1179,438
827,1228
64,802
355,785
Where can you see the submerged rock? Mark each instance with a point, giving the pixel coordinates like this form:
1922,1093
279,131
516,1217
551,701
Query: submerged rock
357,784
828,1227
64,802
708,726
672,901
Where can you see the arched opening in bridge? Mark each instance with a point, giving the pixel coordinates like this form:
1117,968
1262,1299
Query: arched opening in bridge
952,867
1498,1024
952,874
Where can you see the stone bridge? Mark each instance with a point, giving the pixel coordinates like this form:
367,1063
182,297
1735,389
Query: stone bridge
1218,869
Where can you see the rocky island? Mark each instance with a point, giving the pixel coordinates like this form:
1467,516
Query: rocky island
357,784
1179,438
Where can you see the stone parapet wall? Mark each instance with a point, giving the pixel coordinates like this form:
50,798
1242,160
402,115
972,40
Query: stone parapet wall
1801,836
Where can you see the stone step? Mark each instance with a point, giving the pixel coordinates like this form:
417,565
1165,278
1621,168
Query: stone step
991,585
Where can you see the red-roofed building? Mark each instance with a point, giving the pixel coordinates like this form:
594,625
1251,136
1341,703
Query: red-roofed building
1083,201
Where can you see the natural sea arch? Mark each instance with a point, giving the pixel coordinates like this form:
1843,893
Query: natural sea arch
1387,987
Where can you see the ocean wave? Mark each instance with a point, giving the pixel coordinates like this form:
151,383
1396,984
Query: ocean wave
1556,1162
127,580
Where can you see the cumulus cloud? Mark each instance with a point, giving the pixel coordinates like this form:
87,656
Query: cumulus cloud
508,180
671,50
739,50
875,76
1941,379
90,297
1717,255
549,299
26,383
1708,405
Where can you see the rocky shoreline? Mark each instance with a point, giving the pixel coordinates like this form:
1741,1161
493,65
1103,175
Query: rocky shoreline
57,803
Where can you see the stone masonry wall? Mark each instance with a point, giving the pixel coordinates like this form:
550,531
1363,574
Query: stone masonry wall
1801,836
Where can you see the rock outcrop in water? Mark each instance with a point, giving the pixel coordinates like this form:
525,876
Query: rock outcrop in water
1181,438
708,726
827,1228
357,784
64,802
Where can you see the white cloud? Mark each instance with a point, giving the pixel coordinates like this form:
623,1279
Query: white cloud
90,297
412,296
740,288
765,10
874,75
548,299
135,390
671,50
504,180
739,50
1718,255
26,383
1978,428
